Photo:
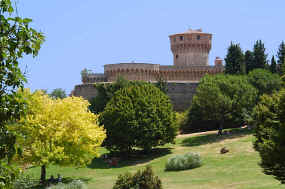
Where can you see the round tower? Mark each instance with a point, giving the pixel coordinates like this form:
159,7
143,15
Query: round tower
191,48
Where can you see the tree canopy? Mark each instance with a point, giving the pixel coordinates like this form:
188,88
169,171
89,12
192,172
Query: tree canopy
138,116
58,93
17,39
234,60
259,55
57,131
222,97
269,122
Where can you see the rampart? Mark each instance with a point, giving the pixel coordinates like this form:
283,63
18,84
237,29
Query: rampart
180,93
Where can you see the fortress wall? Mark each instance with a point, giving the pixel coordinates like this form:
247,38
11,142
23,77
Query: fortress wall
180,93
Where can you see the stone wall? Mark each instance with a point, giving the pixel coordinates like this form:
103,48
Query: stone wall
180,93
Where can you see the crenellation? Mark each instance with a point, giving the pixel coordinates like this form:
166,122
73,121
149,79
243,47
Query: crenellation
190,63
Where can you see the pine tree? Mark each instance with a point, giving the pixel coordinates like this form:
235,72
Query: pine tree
281,57
234,60
248,59
260,58
273,65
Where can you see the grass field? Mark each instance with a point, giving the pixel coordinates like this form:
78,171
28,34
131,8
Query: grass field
237,169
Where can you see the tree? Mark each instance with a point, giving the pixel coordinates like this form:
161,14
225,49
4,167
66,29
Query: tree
105,92
264,81
17,39
248,59
269,122
57,131
138,116
260,58
273,65
281,57
222,98
58,93
234,60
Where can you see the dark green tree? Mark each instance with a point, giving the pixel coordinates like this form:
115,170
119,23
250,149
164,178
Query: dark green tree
248,59
264,81
161,83
138,116
273,65
58,93
234,60
269,122
281,57
105,92
222,98
259,55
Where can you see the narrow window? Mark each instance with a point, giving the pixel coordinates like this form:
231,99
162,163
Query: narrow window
176,56
198,37
181,38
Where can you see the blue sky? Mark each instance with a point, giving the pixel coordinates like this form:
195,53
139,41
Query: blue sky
91,33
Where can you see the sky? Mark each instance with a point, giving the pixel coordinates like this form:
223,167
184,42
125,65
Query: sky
91,33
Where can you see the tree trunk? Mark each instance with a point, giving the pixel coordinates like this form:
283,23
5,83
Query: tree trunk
43,174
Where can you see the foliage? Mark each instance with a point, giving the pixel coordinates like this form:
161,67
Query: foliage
7,175
260,58
234,60
17,39
76,184
269,122
141,179
281,57
105,93
57,131
264,81
58,93
138,116
248,59
162,84
222,98
181,119
182,162
273,65
25,182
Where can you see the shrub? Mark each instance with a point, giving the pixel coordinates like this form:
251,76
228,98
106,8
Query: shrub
181,119
138,116
181,162
8,174
25,182
269,121
76,184
142,179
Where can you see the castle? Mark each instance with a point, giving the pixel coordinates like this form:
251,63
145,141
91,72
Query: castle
190,56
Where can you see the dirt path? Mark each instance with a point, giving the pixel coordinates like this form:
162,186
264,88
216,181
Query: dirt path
196,134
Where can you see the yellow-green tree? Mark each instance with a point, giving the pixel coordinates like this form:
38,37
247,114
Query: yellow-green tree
57,131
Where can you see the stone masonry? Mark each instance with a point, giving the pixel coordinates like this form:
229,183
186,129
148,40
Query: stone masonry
190,58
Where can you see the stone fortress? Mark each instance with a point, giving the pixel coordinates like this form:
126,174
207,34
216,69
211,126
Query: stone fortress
190,56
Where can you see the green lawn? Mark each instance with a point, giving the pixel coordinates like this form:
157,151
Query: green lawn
237,169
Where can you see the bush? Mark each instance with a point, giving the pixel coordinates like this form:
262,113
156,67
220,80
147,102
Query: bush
181,119
138,116
142,179
269,121
25,182
181,162
8,174
76,184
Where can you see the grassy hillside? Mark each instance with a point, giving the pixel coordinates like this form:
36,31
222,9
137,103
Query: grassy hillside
237,169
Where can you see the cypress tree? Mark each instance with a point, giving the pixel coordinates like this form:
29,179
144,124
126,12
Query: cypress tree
234,60
260,58
248,59
281,57
273,65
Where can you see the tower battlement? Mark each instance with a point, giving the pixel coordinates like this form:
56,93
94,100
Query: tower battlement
191,48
